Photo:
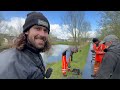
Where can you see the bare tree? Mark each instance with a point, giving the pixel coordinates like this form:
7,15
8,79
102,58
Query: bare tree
110,23
1,21
13,30
77,25
1,25
84,33
19,27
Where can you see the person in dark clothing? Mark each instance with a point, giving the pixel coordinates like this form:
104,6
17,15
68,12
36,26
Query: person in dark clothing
70,51
110,66
69,54
24,60
73,50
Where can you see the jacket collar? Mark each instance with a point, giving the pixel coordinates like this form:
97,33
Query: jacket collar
30,47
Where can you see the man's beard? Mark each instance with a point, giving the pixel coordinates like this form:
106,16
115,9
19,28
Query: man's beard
40,45
41,37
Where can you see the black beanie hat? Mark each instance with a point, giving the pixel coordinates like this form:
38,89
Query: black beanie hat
95,40
35,18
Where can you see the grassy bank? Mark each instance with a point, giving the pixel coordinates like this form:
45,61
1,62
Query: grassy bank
3,48
63,43
79,61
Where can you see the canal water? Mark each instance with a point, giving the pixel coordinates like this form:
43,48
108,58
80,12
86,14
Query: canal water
55,53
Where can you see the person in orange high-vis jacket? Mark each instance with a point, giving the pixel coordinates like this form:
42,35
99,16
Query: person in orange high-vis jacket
64,63
99,53
67,58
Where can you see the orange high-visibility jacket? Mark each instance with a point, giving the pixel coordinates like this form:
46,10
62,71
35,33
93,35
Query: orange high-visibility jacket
99,51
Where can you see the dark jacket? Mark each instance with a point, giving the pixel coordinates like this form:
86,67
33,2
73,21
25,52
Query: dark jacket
69,53
26,64
110,66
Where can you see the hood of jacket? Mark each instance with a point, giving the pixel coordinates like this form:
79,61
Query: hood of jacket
115,48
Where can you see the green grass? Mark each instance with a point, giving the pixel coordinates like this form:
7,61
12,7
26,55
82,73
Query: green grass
63,43
79,61
56,74
3,48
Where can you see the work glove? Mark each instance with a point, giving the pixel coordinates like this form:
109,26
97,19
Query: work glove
105,50
92,51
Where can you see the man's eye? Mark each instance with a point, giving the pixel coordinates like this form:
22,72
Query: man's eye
45,30
38,28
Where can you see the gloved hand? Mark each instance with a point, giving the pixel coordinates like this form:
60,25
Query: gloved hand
105,50
48,72
92,51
